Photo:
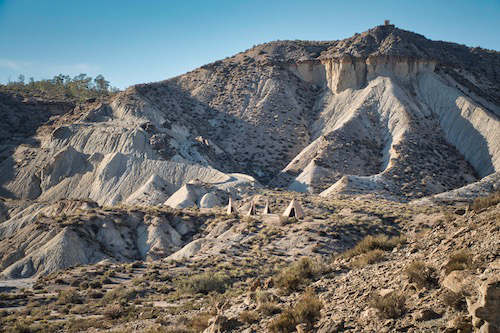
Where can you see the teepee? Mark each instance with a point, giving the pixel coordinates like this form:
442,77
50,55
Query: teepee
294,209
230,207
266,210
251,210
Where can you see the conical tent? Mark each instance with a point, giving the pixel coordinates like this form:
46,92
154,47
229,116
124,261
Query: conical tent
266,210
251,211
230,207
294,209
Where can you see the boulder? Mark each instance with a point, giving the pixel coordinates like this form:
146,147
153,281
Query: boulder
209,200
487,309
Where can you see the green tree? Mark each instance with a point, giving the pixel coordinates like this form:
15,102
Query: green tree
102,85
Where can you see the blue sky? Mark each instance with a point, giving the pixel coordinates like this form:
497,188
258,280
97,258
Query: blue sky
135,41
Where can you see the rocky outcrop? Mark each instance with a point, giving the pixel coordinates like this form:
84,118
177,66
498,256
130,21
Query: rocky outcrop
47,237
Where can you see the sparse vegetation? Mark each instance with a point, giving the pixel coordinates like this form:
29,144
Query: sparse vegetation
458,261
203,283
306,311
389,306
422,275
368,258
298,274
370,243
485,202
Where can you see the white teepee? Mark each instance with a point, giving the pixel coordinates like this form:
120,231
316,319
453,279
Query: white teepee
251,210
294,209
230,207
266,210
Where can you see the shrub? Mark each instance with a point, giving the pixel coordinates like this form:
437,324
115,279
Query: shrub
269,308
69,296
95,284
389,306
203,283
458,261
284,323
308,309
370,243
454,300
120,294
422,275
21,328
371,257
114,311
295,276
485,202
249,317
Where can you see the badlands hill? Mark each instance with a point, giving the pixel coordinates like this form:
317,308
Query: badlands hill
385,132
386,112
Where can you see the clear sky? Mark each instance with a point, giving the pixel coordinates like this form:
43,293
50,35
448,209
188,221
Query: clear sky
135,41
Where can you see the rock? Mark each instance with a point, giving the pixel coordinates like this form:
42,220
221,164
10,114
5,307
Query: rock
301,328
384,292
268,283
488,306
209,200
331,327
457,281
460,324
427,314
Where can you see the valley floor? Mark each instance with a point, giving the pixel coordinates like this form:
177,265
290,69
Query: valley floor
352,264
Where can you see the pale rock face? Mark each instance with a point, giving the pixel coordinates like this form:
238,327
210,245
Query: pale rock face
209,200
40,244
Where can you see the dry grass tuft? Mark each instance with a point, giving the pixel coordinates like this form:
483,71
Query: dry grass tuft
203,283
371,257
485,202
390,306
459,261
299,273
306,311
249,317
370,243
422,275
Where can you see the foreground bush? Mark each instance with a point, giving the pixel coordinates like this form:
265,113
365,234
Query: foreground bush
306,311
